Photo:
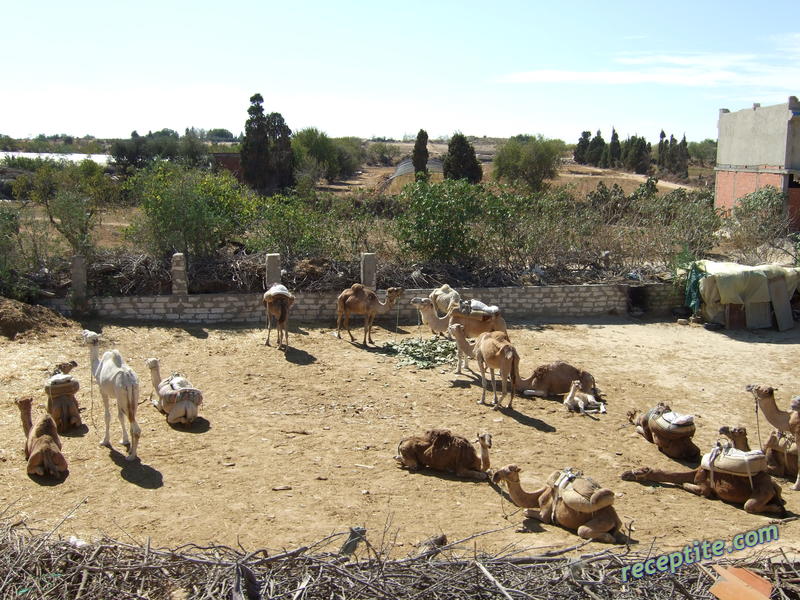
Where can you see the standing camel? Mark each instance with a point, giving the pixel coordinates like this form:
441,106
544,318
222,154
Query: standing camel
359,300
788,422
115,378
277,302
474,324
494,350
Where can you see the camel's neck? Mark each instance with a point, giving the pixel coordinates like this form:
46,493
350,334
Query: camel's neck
740,443
522,498
155,376
435,320
776,417
485,464
25,417
94,358
385,307
523,384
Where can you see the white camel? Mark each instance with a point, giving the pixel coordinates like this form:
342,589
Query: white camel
115,378
578,401
177,398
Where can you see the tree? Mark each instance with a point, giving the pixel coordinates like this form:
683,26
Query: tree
614,149
460,161
662,149
315,153
420,154
219,135
636,155
703,152
582,147
529,159
595,150
280,159
255,147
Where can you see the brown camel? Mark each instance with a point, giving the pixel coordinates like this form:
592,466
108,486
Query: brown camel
441,450
277,301
555,378
780,449
674,441
42,444
359,300
567,499
788,422
494,350
61,402
757,492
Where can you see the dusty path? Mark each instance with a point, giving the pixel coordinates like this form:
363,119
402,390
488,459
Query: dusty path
325,419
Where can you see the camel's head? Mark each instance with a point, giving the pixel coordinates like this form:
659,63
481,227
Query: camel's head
456,329
507,473
795,404
575,385
422,303
485,439
90,338
24,404
661,408
760,391
773,439
151,363
465,306
393,293
733,432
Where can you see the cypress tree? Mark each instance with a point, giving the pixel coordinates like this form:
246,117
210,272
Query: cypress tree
614,149
581,148
255,147
419,157
595,151
460,161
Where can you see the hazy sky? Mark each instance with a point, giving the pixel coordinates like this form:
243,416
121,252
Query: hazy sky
390,68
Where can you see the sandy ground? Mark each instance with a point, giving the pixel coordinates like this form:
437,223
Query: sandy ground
324,420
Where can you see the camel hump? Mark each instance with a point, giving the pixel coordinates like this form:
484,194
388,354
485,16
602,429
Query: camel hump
357,287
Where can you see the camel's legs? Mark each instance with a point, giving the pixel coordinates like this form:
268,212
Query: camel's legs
136,433
646,474
347,326
121,416
269,325
482,367
597,529
107,416
796,485
74,413
338,324
494,387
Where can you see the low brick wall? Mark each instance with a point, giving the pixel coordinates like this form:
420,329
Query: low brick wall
517,303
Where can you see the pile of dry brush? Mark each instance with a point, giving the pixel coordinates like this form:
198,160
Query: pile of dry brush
37,564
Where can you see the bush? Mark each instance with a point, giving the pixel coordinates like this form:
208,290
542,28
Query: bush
383,154
758,226
528,159
189,210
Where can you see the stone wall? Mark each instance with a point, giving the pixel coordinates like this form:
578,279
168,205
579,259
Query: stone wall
518,303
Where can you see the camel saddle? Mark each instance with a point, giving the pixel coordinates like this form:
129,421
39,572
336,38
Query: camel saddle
727,459
170,392
61,385
671,425
786,443
279,290
477,309
575,490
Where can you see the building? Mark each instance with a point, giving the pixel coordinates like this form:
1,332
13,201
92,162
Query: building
758,147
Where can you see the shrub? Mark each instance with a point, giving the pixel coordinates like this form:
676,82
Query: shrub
758,226
528,159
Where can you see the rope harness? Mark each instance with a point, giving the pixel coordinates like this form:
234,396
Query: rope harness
565,477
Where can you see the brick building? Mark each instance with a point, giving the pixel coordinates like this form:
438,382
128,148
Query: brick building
757,147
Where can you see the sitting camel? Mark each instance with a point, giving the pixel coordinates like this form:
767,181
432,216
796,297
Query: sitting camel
474,325
115,378
441,450
577,401
445,298
176,397
780,449
359,300
494,350
567,499
725,473
277,302
42,444
61,402
788,422
670,432
555,378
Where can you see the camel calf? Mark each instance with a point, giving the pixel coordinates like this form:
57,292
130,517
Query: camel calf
277,301
42,444
494,350
440,450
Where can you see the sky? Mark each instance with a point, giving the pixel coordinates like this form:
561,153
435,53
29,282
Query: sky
388,69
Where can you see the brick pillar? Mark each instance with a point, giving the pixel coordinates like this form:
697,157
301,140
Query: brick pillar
180,283
369,269
78,300
273,270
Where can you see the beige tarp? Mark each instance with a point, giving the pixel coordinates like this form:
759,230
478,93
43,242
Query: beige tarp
730,283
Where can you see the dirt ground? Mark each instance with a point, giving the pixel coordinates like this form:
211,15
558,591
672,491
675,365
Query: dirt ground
296,446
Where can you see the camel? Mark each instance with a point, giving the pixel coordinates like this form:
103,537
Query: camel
115,378
754,488
788,422
42,444
555,378
177,398
567,499
61,402
577,401
474,325
670,432
359,300
780,449
494,350
441,450
277,302
444,298
465,348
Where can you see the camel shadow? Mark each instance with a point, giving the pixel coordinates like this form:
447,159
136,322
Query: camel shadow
134,471
526,420
48,480
299,357
199,425
196,332
441,475
76,432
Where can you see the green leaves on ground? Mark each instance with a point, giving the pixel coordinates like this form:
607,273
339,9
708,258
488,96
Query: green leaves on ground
423,353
